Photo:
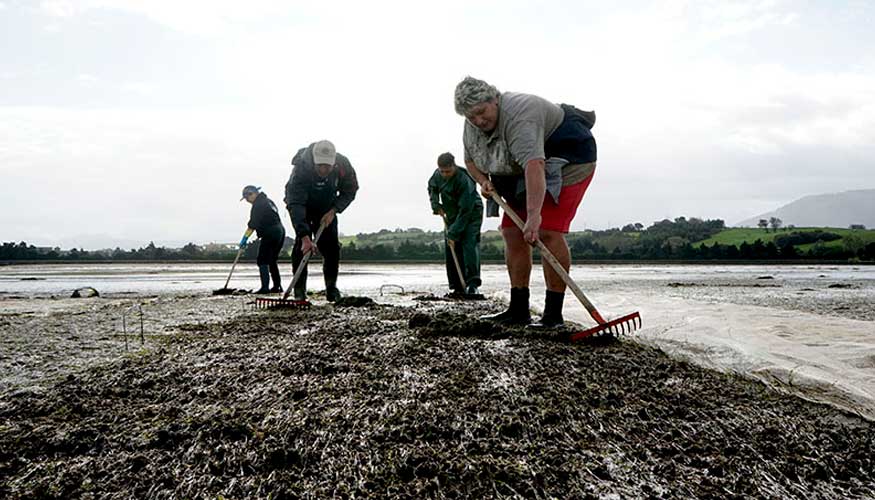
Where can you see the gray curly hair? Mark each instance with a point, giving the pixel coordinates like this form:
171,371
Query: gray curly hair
471,92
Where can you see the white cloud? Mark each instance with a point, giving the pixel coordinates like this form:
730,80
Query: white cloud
59,8
141,88
686,126
87,80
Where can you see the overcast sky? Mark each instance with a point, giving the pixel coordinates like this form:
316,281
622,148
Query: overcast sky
124,121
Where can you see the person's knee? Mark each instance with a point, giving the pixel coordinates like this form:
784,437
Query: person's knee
513,238
551,237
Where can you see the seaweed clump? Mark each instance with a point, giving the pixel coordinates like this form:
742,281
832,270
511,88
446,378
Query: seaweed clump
418,402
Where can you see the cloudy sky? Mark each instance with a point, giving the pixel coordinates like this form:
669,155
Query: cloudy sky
124,121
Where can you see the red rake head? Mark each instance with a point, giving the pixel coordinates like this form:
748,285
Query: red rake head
267,303
625,324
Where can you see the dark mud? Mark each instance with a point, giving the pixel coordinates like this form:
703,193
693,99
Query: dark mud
354,301
724,285
231,291
419,402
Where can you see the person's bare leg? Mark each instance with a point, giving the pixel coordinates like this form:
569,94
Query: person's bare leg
555,242
555,295
517,257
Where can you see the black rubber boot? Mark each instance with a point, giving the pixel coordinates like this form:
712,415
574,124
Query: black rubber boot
517,312
275,277
552,317
264,274
332,294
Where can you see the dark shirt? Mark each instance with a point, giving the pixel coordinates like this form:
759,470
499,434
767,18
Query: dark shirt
264,217
309,197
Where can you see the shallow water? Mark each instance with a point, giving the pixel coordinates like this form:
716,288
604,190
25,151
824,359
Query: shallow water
60,279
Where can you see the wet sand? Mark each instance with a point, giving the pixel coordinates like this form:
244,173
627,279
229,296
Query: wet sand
44,338
415,401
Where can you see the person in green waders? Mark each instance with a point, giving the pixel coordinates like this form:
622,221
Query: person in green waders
264,219
453,195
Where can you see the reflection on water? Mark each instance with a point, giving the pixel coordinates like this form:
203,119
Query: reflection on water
368,278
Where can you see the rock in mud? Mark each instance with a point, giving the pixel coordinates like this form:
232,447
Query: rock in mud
85,292
841,285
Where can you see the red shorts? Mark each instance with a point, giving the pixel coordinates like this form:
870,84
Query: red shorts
554,217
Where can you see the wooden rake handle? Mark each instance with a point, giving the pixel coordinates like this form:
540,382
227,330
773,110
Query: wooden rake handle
554,262
455,258
239,252
303,264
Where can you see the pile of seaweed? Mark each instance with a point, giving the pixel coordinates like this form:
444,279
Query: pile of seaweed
419,402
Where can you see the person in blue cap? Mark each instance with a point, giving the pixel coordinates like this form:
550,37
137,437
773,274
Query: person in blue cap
264,220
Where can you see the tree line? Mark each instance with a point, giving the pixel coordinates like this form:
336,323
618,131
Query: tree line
664,240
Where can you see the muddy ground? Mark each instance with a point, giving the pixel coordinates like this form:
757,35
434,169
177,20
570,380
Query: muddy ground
45,338
420,401
852,299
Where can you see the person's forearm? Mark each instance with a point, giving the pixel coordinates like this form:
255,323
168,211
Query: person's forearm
536,186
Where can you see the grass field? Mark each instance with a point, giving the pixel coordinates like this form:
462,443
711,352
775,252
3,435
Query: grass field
738,235
731,236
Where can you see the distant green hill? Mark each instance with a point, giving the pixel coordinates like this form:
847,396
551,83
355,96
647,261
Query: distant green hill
394,238
738,235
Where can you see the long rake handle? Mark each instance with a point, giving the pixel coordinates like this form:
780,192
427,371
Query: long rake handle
303,264
455,257
554,262
239,252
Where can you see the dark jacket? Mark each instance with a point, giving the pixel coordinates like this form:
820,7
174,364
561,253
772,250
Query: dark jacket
309,197
264,217
459,199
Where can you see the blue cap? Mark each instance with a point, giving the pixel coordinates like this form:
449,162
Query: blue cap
250,189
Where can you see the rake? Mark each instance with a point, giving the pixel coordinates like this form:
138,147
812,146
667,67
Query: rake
465,294
623,324
284,302
225,290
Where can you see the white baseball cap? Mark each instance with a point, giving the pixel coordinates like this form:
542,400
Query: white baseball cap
324,153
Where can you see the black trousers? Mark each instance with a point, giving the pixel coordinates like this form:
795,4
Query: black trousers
468,253
329,248
269,251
